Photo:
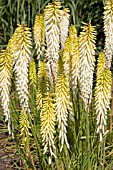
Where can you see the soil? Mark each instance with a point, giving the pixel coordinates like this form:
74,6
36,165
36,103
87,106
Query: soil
5,163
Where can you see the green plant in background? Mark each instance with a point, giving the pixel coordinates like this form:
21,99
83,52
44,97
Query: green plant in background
18,11
48,99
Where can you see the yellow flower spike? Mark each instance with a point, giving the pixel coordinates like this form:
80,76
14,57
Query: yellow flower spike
75,71
67,57
39,34
24,127
22,52
5,84
52,14
108,30
42,71
63,107
71,57
102,95
10,46
42,84
72,32
48,120
63,104
32,73
87,62
22,41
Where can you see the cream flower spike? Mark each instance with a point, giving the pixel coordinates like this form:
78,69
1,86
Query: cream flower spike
63,104
63,107
64,25
5,84
108,30
87,62
52,19
22,52
102,95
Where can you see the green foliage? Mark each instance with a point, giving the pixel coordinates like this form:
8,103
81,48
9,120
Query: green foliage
19,11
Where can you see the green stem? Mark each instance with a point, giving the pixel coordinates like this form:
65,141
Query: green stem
79,141
101,156
28,13
23,13
67,158
78,107
39,6
37,144
18,2
11,22
28,153
57,164
88,140
56,161
104,151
